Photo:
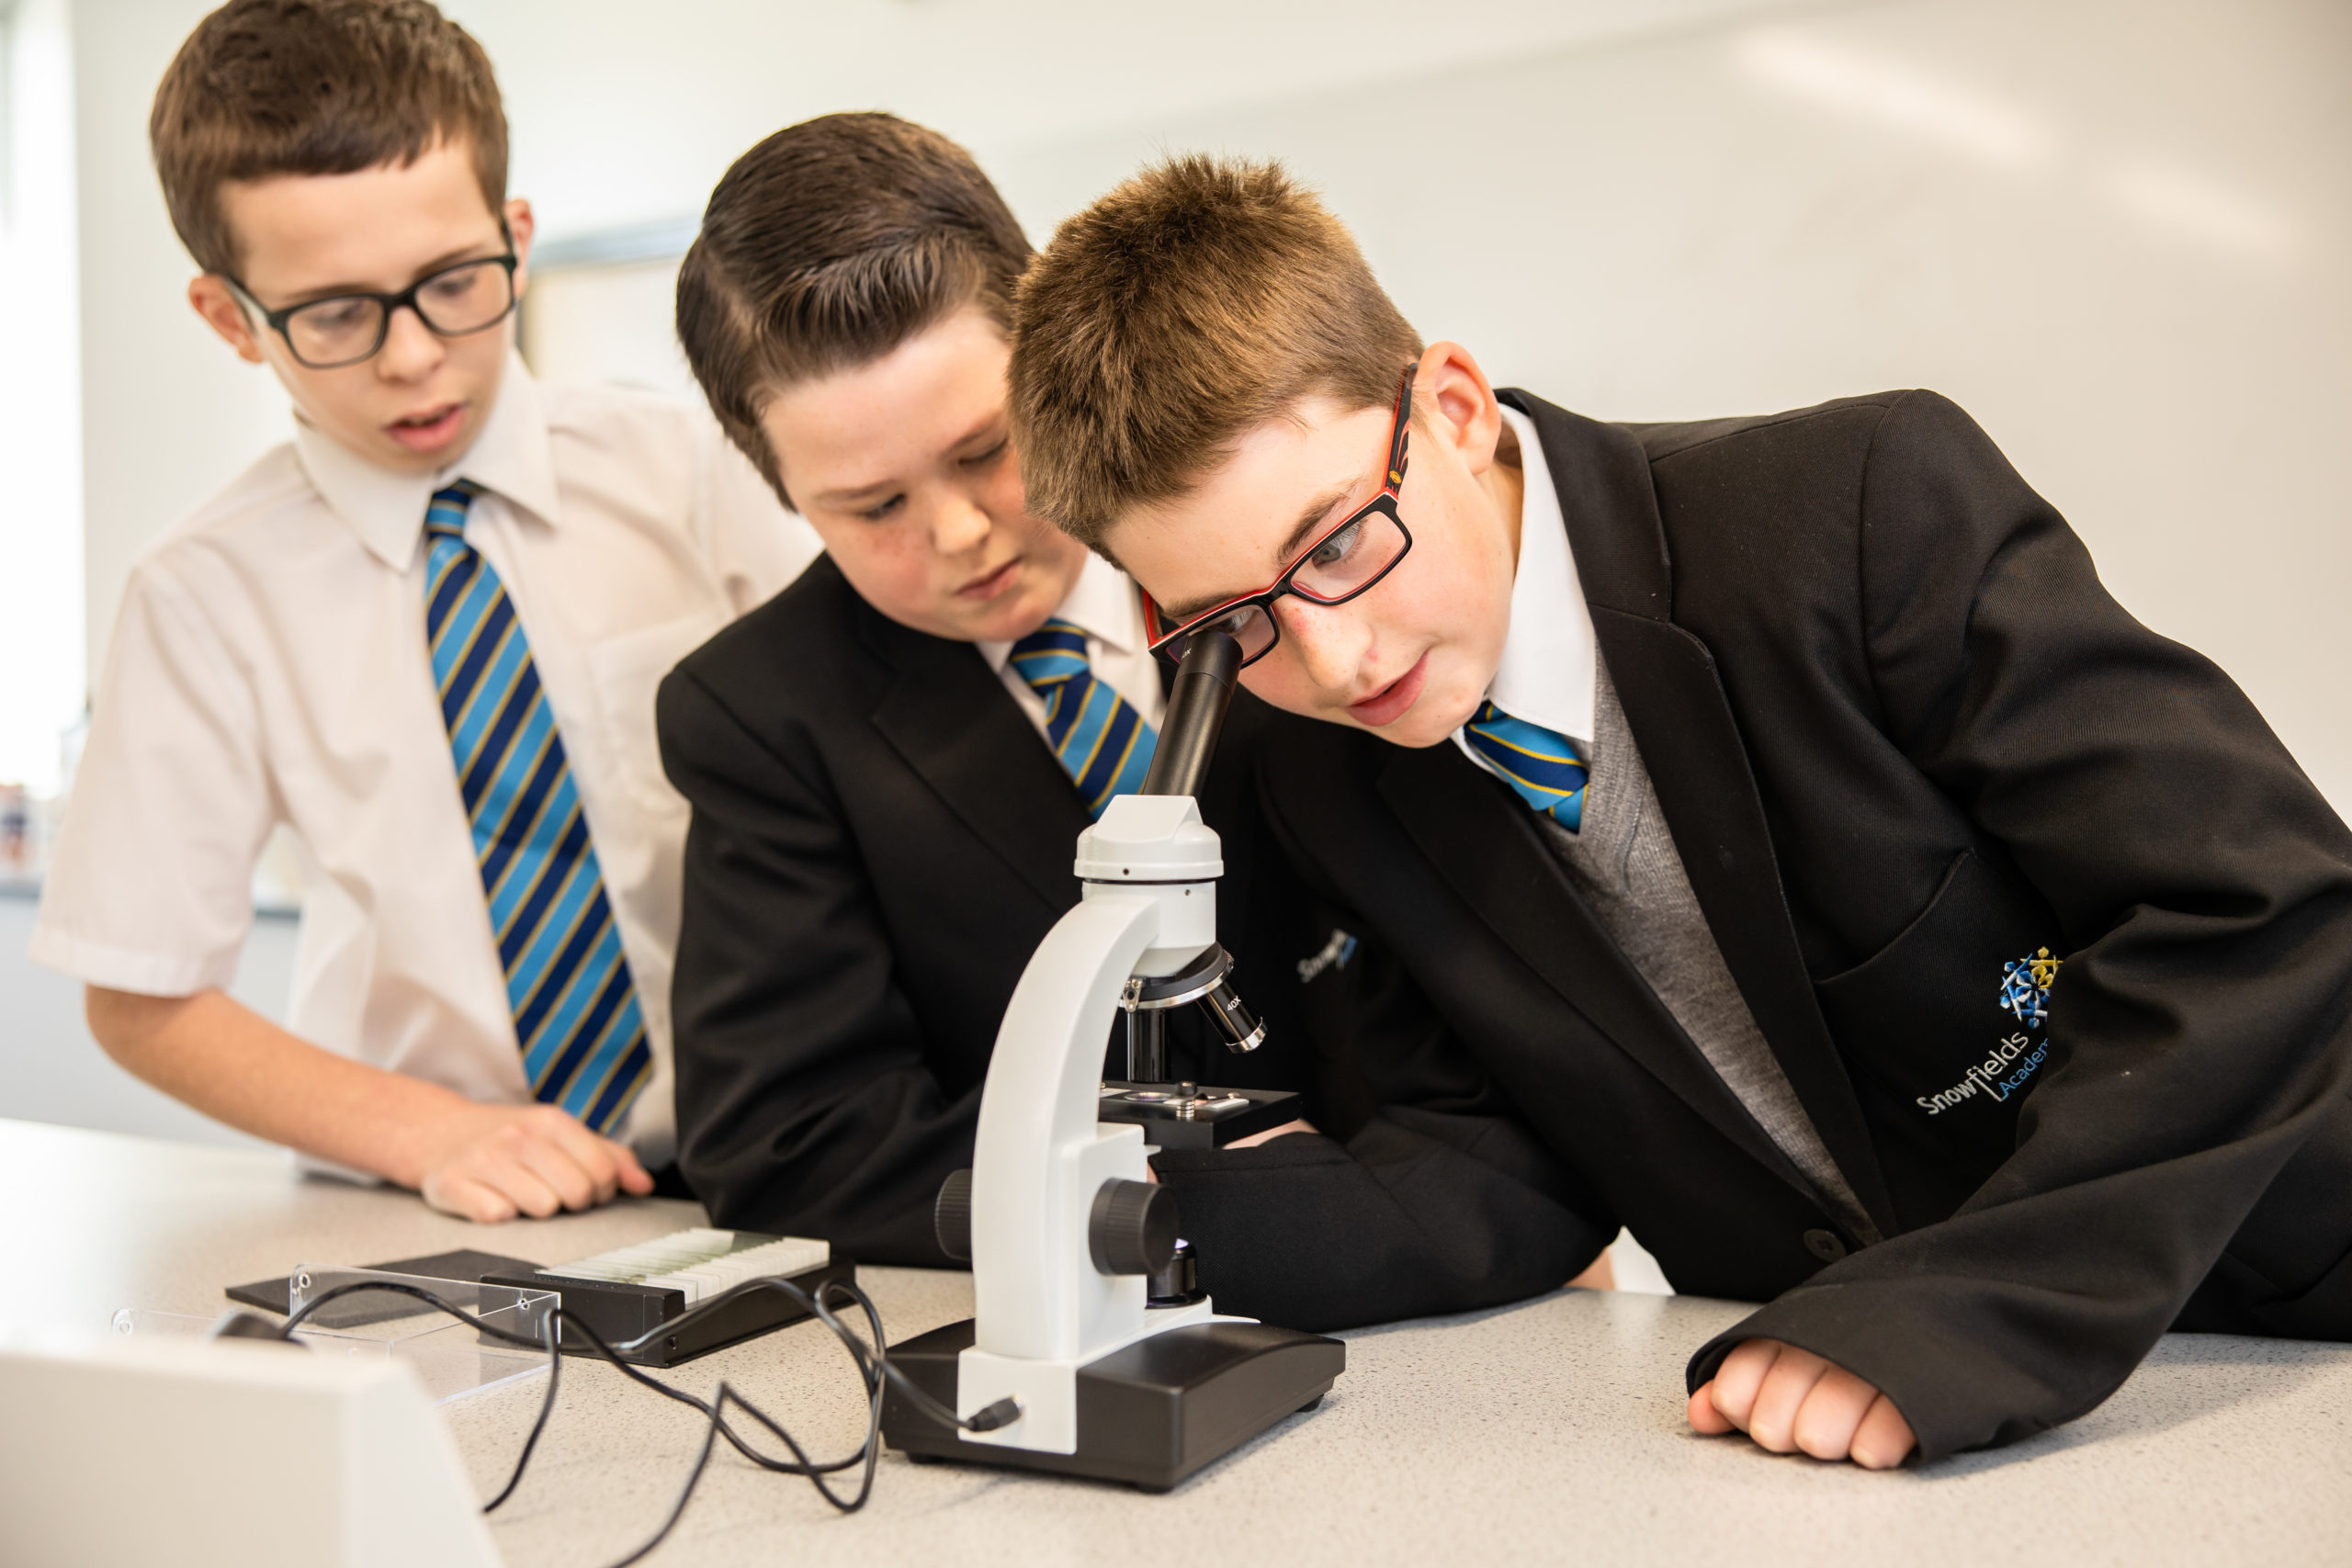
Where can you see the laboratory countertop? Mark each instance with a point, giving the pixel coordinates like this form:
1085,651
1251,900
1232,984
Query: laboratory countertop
1549,1431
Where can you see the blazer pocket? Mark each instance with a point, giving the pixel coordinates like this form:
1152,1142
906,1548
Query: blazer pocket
627,670
1945,1031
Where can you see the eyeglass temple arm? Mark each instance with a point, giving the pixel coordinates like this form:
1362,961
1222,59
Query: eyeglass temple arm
1404,428
1203,690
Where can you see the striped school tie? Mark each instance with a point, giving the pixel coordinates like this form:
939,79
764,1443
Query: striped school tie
1540,764
1103,744
575,1009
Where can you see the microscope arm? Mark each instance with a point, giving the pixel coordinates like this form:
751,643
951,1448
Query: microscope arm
1035,1294
1062,1227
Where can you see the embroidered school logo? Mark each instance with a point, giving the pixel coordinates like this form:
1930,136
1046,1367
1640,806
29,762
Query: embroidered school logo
2024,996
1335,955
2025,986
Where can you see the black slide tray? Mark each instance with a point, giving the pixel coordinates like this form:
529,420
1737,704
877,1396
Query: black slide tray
624,1312
272,1295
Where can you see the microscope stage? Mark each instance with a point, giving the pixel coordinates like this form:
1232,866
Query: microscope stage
1204,1119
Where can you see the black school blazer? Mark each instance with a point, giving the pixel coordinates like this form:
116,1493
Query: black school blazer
879,840
1905,742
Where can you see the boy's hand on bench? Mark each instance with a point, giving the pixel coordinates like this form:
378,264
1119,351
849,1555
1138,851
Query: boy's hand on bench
490,1163
1271,1134
1792,1400
486,1162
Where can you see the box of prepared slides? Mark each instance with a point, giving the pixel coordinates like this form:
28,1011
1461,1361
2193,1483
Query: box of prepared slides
627,1294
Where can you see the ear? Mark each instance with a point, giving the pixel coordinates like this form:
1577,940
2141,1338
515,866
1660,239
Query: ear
520,227
1454,406
214,300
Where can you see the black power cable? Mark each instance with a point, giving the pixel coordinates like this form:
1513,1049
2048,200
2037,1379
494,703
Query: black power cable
875,1371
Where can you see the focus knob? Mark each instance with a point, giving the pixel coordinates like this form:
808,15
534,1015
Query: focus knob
1132,1229
951,1216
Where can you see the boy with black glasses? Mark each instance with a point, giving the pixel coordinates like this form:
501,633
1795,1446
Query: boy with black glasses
423,636
1772,820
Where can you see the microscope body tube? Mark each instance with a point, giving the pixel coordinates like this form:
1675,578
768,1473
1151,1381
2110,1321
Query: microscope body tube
1196,705
1160,847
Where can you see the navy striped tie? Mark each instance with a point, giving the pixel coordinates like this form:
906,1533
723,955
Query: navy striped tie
1103,744
1540,764
568,983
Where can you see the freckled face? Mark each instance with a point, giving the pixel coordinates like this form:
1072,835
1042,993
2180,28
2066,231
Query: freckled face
1409,659
905,468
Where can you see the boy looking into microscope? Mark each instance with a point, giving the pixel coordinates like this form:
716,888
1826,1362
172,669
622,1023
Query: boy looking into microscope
1772,820
422,636
890,763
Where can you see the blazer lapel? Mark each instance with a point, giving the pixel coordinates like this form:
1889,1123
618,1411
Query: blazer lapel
1479,836
953,723
1690,742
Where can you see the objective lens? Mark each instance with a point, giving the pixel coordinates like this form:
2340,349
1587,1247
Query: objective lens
1242,1033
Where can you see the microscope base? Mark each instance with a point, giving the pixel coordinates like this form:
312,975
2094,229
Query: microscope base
1149,1414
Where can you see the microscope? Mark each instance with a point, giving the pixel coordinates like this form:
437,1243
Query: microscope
1093,1351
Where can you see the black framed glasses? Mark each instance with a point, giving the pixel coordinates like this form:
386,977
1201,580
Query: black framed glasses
344,328
1343,561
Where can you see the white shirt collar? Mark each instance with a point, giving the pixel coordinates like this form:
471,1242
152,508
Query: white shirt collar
510,457
1102,603
1550,662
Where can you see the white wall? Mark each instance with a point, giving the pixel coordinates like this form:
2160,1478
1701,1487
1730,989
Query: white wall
612,323
50,1070
623,113
169,414
41,423
2116,230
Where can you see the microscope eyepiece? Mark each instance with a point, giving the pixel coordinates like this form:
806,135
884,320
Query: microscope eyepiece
1196,703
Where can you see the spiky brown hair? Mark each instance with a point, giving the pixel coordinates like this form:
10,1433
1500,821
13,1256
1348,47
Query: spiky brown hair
1188,307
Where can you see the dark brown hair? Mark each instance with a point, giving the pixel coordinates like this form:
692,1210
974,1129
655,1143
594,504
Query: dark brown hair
827,245
266,88
1190,305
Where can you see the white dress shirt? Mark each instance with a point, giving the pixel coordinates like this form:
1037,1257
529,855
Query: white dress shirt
1551,657
270,668
1625,858
1103,605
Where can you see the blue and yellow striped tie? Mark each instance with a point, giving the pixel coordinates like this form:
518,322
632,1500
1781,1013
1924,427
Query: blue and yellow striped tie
1540,764
575,1007
1103,744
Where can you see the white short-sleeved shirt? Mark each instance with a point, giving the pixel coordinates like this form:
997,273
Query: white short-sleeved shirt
269,666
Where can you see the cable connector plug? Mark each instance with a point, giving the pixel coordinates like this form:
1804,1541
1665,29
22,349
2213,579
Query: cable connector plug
989,1417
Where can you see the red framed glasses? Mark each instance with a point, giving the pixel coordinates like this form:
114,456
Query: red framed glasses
1342,561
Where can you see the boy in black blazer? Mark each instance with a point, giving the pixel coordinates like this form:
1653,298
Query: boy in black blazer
1772,821
885,805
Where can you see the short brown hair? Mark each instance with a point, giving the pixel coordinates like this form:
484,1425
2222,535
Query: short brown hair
269,87
824,248
1194,303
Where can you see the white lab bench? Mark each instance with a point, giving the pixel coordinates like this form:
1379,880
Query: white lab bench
1550,1431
